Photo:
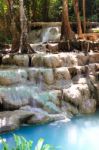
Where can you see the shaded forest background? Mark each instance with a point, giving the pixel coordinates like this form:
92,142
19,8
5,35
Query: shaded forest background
41,10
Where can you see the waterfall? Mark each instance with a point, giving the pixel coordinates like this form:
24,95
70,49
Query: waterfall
51,34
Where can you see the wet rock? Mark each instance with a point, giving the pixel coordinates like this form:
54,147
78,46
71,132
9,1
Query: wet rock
9,77
41,75
48,76
88,106
41,116
16,96
69,108
11,120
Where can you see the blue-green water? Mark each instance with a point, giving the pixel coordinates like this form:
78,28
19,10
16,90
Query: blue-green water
81,133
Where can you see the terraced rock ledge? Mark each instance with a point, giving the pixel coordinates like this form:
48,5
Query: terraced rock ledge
38,88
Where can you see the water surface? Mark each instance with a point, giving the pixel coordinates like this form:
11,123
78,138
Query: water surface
81,133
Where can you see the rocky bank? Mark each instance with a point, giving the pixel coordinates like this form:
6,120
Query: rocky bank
42,87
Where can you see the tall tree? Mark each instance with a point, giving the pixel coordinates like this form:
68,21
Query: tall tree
24,46
76,10
45,9
66,30
84,15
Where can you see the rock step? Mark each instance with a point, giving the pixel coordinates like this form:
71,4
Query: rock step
50,60
53,101
47,76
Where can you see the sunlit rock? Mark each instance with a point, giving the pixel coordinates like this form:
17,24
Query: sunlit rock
68,59
7,60
72,95
52,61
62,73
19,60
79,80
84,90
82,59
94,58
37,60
10,121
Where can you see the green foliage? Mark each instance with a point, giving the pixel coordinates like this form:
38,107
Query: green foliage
22,144
3,7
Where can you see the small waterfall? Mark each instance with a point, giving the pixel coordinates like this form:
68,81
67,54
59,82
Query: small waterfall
51,34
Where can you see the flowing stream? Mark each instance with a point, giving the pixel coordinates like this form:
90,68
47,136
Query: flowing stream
47,34
81,133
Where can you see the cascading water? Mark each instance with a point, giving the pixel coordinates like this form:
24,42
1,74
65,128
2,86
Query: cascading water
51,34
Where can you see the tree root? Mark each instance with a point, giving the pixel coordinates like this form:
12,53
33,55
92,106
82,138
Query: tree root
79,45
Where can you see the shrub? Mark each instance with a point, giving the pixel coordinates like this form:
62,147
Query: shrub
22,144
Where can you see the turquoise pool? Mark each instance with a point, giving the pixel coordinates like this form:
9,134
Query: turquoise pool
81,133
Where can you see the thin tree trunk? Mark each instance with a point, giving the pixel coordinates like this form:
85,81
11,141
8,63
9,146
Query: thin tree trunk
76,10
84,16
45,10
66,31
24,46
14,31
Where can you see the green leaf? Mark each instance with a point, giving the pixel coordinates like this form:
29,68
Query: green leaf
39,144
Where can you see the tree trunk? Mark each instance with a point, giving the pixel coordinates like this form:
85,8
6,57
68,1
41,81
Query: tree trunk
14,31
66,31
33,8
84,16
76,10
24,46
45,9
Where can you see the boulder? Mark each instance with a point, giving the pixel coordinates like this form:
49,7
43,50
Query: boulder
82,59
84,90
52,61
48,76
37,60
68,59
11,120
16,96
12,76
62,73
40,116
18,60
94,58
88,106
72,95
21,60
69,108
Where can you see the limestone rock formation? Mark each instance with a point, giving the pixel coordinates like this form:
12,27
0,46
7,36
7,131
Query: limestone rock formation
39,88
